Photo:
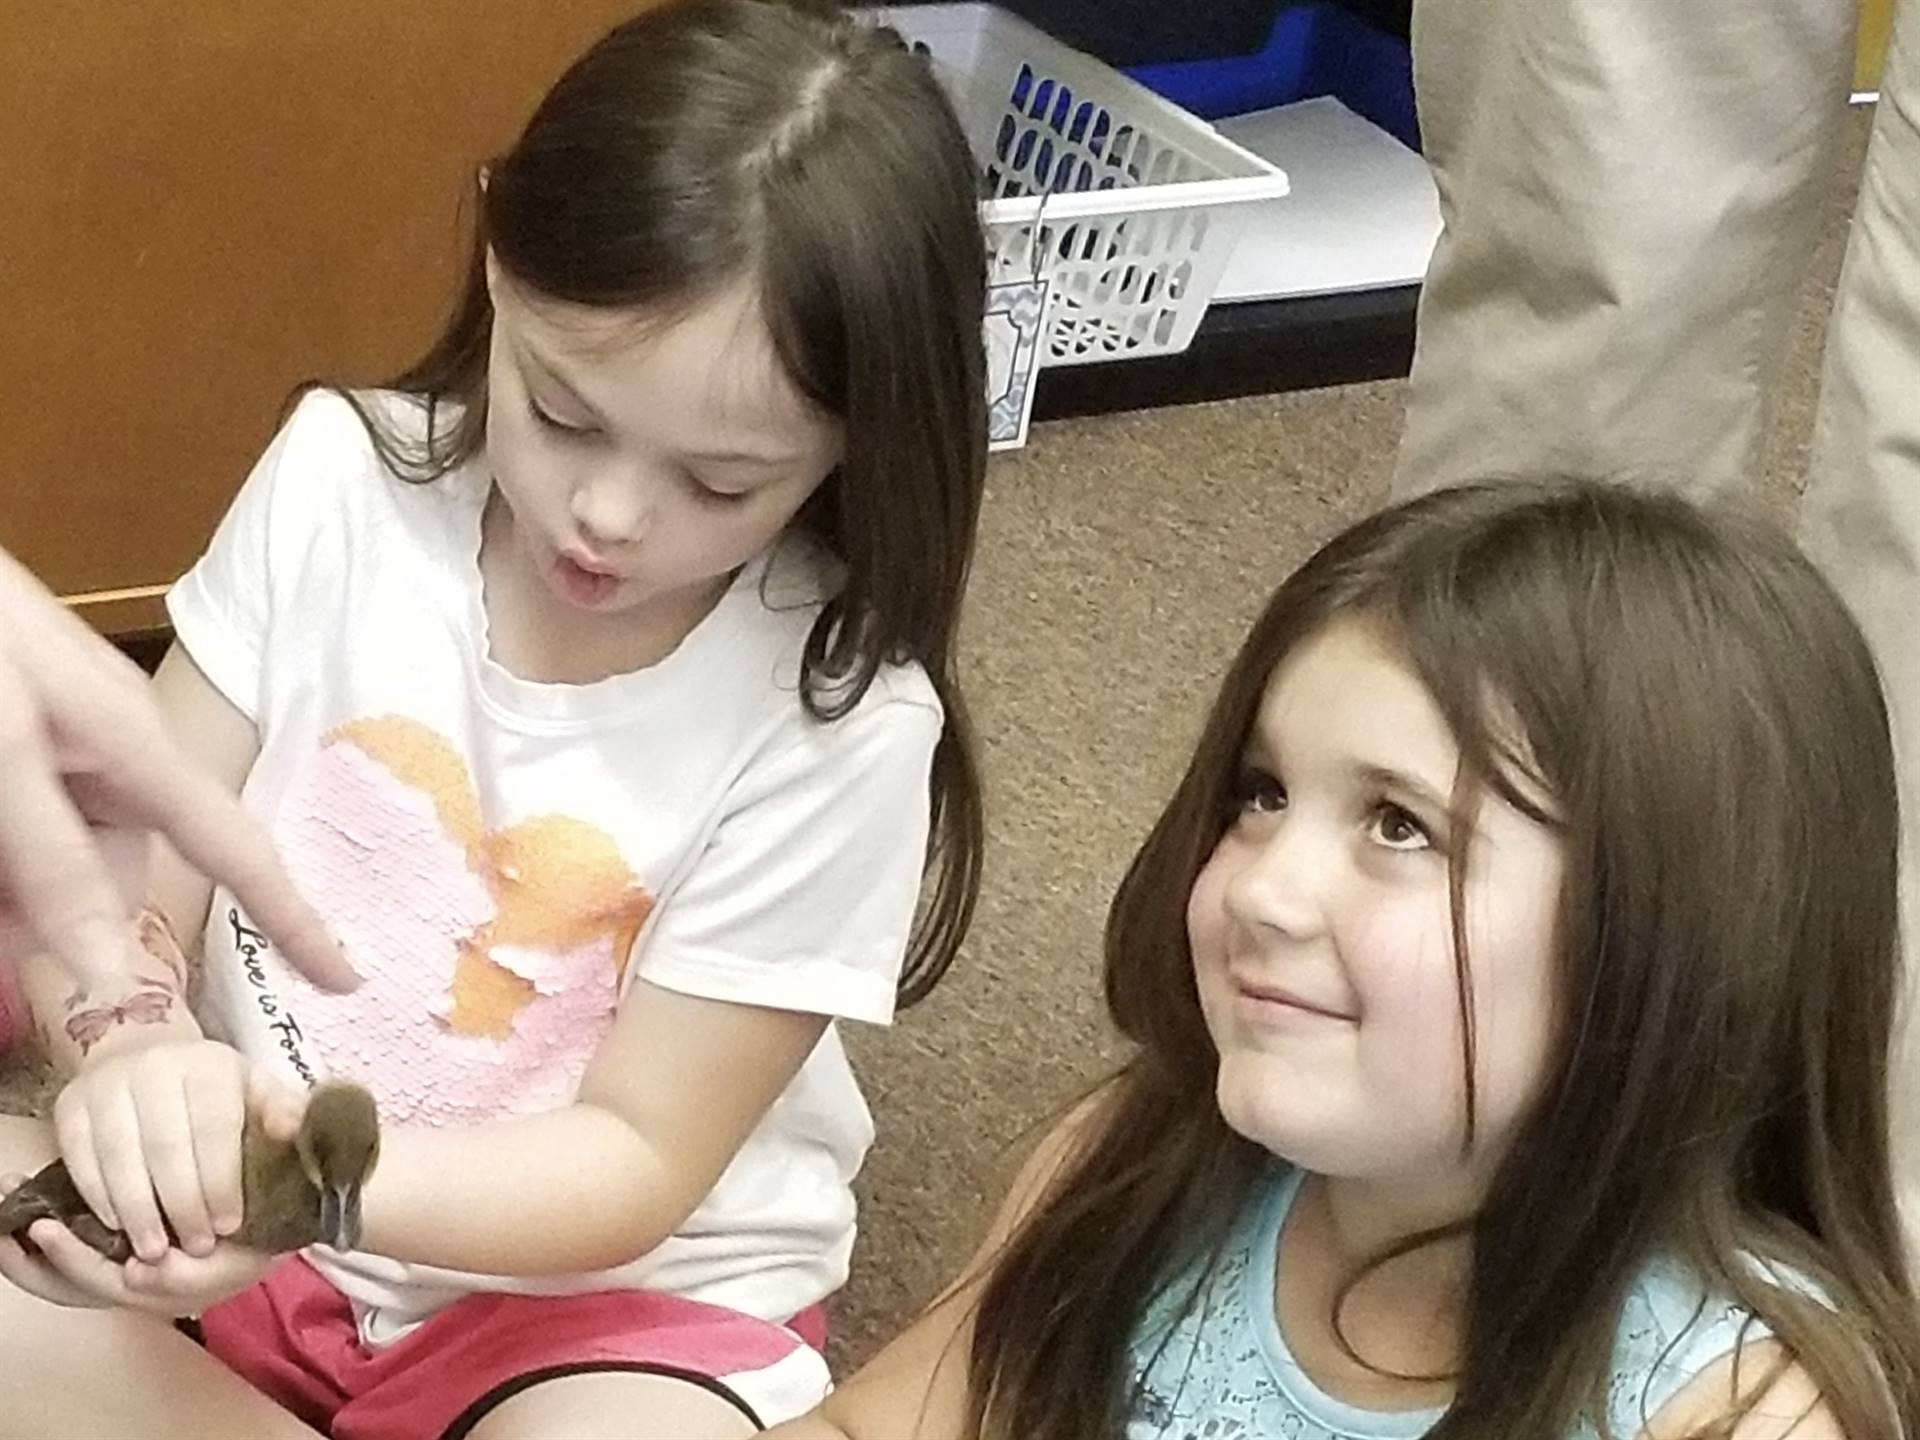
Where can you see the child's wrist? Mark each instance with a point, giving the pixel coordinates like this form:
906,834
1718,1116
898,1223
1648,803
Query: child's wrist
84,1025
149,1015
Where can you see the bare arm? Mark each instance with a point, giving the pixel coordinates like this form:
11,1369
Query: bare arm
916,1388
1784,1406
671,1096
79,1023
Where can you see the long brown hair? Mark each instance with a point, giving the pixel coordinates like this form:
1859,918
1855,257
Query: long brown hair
704,141
1708,723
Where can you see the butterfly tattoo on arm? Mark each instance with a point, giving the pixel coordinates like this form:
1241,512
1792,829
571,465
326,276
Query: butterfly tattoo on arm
86,1028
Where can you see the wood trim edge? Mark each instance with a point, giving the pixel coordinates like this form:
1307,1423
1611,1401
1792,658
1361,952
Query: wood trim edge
134,610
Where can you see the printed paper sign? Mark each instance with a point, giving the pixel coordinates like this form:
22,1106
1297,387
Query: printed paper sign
1016,319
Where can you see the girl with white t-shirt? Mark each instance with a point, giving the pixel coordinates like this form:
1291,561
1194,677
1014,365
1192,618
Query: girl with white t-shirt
596,679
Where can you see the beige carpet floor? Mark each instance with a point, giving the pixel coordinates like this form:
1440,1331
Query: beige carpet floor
1121,558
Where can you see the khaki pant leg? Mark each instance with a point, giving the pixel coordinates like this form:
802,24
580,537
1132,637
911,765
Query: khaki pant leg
1630,190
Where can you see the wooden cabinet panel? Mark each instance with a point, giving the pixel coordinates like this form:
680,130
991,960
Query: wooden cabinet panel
203,202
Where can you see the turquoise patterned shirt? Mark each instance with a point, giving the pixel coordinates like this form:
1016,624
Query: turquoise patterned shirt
1233,1378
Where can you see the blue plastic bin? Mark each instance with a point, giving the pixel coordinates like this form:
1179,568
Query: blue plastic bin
1313,50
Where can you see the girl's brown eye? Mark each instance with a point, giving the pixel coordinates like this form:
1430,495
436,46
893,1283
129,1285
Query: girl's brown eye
1398,829
1259,792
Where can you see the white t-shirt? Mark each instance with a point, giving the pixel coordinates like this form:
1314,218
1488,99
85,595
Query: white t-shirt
492,852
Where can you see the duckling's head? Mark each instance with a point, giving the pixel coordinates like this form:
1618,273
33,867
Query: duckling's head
338,1146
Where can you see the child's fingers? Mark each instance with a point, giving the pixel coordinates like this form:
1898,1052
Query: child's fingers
73,1128
77,1262
170,1153
217,1113
67,1272
279,1106
122,1153
33,1275
188,1284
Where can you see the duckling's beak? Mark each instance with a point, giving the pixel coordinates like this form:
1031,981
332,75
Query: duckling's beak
340,1215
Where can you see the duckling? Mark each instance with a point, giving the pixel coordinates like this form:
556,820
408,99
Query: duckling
295,1194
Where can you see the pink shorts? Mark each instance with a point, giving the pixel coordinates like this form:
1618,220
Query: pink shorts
293,1337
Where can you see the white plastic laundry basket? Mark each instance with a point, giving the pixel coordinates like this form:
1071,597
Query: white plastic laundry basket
1128,203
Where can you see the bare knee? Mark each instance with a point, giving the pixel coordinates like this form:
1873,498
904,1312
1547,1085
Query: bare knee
37,1340
617,1405
69,1371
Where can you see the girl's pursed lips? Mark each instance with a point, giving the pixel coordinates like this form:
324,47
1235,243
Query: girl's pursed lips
580,560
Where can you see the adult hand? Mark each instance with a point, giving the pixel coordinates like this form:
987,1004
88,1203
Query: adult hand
90,771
